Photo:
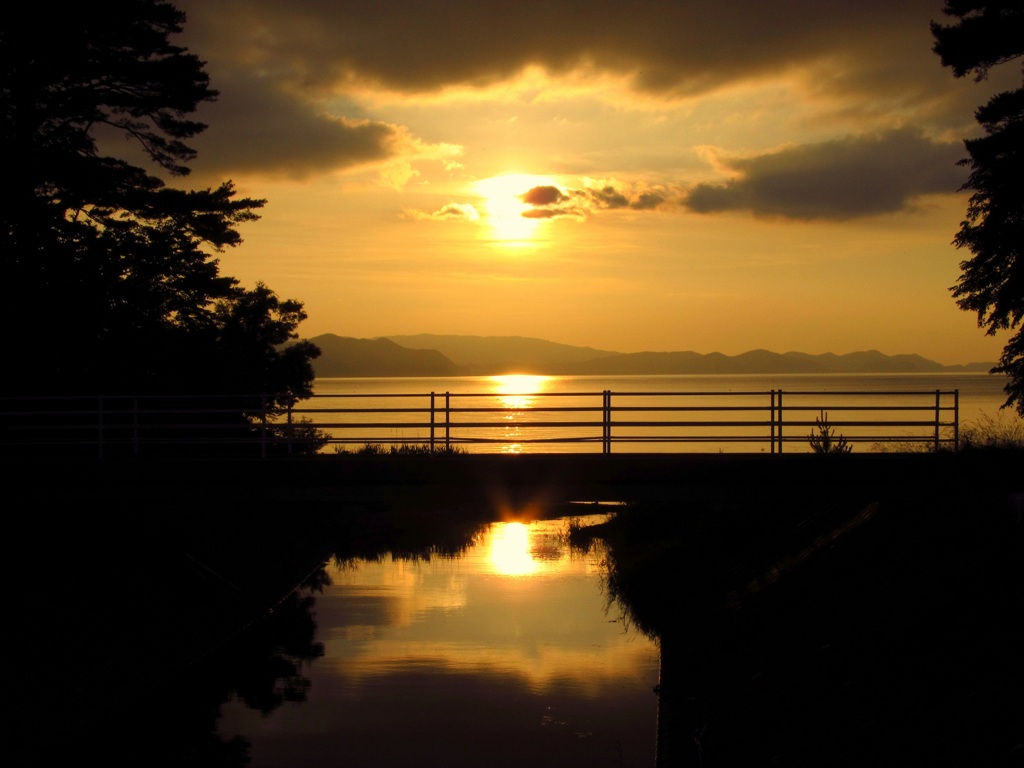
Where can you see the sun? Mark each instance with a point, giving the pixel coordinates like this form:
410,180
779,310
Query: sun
503,207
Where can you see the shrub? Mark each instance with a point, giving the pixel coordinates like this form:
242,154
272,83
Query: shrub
826,440
1005,430
300,437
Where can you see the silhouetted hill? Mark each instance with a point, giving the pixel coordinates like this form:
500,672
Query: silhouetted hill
440,355
763,361
503,354
345,356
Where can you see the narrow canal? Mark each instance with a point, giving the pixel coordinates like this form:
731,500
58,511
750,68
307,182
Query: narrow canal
504,654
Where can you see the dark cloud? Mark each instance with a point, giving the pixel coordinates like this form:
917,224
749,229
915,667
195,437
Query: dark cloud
843,179
665,45
254,126
550,202
609,197
853,177
648,201
274,61
543,196
552,213
606,197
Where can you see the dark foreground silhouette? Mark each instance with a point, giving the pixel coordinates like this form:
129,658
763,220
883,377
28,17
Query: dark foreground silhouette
863,631
809,612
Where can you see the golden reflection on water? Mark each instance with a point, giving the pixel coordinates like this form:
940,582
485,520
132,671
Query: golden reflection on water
508,644
510,550
516,391
517,603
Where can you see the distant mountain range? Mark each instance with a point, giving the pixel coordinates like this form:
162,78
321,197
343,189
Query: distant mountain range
437,355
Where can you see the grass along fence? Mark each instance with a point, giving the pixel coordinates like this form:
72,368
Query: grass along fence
564,422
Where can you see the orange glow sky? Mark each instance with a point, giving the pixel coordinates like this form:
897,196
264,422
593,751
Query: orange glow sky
706,176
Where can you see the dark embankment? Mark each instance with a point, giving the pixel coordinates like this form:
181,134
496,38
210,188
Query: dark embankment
128,587
552,476
124,574
856,624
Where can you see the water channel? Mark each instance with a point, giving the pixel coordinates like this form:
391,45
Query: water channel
505,654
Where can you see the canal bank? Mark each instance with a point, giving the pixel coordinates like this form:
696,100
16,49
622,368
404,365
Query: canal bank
139,570
567,474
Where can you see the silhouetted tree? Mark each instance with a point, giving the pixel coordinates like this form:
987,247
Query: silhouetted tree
991,283
112,277
253,330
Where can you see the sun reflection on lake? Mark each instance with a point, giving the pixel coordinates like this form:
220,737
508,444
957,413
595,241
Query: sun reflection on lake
517,390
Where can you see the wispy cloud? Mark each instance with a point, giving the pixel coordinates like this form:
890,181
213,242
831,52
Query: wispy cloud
449,212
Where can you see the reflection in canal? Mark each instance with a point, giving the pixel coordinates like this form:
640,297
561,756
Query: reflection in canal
504,654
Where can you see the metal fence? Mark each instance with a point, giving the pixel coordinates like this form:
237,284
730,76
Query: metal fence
753,421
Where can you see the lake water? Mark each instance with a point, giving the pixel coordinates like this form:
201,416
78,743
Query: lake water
512,414
505,654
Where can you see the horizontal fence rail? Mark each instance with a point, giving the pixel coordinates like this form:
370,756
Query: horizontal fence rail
597,421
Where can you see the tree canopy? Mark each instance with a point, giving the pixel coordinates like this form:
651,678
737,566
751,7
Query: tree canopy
991,284
112,276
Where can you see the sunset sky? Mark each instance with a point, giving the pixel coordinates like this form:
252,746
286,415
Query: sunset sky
710,176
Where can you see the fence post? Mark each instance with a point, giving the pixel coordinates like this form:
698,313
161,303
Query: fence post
431,422
779,412
447,422
938,420
606,422
771,429
291,428
956,419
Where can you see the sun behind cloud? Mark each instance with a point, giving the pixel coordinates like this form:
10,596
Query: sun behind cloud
504,207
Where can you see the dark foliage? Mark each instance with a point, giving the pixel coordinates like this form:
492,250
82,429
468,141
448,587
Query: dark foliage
113,282
988,34
826,440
